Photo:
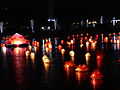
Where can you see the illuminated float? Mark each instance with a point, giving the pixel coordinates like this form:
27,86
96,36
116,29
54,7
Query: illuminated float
17,40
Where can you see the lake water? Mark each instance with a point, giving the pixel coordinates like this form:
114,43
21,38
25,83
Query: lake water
21,71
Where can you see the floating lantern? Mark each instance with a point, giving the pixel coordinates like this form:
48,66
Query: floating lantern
17,40
62,51
106,40
87,44
87,54
27,53
35,48
62,41
96,74
87,34
82,68
69,43
47,61
59,47
32,55
72,42
44,57
49,45
72,53
81,45
77,35
69,64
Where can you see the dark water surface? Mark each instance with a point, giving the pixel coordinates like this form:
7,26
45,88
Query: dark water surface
21,72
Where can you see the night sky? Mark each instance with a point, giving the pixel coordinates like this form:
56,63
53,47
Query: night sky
63,8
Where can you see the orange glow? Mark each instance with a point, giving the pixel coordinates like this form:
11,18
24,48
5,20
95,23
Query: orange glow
17,42
69,64
59,47
81,41
2,45
87,56
77,35
68,37
35,48
113,34
106,40
81,45
82,68
96,74
4,50
98,36
72,53
73,35
47,67
62,41
17,50
27,53
46,49
45,57
86,38
17,39
69,43
32,55
87,43
63,51
49,45
72,42
46,61
87,34
96,83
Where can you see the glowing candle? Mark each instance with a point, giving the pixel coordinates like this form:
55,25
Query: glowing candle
27,53
32,55
87,56
62,51
71,53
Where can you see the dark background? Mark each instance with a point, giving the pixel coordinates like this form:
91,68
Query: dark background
62,8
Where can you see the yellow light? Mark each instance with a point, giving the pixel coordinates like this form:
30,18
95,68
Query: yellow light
63,51
17,42
72,53
32,55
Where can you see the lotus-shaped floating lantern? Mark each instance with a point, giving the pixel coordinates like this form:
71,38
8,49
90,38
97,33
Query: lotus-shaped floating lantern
82,68
96,74
17,40
69,64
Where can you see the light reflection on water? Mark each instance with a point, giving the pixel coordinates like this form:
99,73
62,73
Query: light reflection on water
28,70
